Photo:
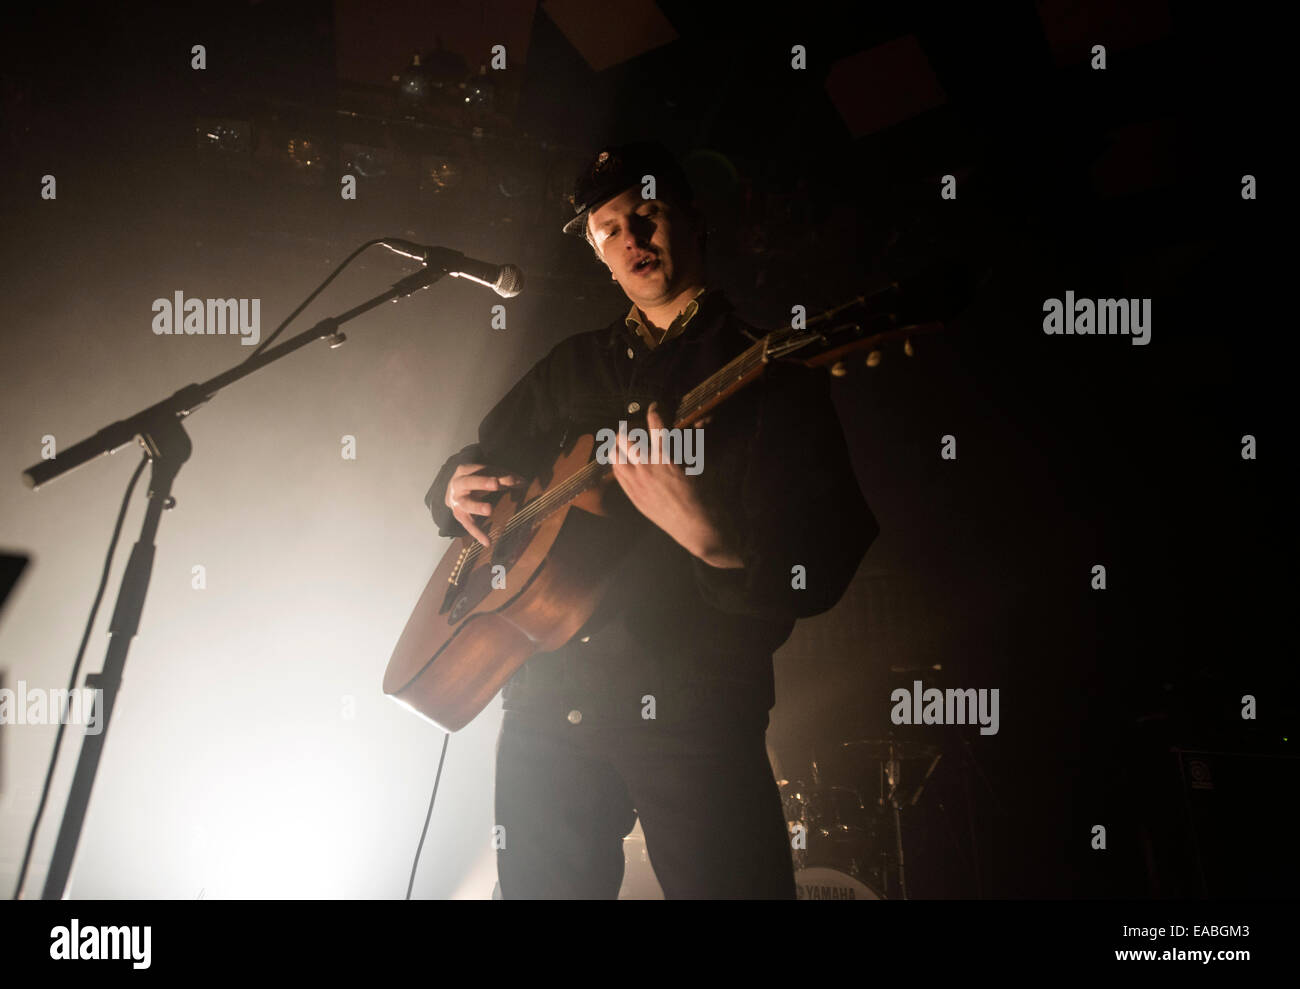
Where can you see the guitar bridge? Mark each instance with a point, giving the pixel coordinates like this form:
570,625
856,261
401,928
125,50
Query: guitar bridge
458,569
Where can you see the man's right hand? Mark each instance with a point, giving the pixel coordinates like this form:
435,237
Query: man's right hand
467,482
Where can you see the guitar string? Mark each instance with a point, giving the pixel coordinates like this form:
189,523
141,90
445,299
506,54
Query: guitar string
692,401
581,479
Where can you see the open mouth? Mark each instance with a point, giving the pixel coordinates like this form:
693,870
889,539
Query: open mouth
645,264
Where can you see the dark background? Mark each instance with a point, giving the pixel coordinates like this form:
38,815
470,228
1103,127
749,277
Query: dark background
1072,451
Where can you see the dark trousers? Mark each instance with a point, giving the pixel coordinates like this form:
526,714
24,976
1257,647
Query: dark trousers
567,794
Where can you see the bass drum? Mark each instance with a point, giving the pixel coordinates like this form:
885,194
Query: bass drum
822,883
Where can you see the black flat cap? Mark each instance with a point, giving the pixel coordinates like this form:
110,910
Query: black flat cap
617,168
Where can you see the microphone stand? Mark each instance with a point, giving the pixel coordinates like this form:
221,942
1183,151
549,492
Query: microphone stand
167,447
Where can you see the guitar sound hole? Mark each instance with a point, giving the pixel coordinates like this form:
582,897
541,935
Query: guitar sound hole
475,588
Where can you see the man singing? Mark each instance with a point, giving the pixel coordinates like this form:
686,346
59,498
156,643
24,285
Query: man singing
658,707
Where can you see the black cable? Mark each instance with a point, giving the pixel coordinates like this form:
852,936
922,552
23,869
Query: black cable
446,735
307,301
414,865
72,680
103,582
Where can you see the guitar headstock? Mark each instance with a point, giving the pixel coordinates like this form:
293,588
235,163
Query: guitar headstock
832,345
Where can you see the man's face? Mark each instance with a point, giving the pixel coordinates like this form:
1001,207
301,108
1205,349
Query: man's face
649,246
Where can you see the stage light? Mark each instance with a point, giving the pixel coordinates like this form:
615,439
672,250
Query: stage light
413,84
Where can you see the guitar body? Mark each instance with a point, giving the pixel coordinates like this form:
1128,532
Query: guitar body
556,547
466,638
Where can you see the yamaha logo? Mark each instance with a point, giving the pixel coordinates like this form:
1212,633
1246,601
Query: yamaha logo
811,892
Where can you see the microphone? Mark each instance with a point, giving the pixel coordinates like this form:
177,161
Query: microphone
505,280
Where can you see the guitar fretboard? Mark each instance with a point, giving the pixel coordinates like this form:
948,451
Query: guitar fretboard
587,477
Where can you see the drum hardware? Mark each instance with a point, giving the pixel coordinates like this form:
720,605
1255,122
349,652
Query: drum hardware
854,834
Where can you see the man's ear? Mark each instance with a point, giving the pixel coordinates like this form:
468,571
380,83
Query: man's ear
594,249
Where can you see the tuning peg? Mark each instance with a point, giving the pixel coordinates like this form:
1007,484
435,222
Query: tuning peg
873,358
907,347
838,370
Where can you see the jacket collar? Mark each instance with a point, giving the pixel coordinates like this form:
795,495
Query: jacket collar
701,314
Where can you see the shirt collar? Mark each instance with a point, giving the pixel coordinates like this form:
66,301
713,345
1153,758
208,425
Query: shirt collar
675,328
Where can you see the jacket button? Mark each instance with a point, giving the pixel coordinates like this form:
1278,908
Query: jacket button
634,406
629,352
585,638
574,717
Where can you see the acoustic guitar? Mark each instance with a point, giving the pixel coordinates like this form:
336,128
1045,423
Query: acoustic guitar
487,610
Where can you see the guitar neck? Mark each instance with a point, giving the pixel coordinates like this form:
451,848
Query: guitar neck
707,395
718,387
721,385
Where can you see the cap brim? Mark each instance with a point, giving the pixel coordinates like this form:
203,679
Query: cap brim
578,225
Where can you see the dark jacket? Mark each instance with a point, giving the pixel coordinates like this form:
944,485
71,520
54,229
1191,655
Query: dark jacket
776,478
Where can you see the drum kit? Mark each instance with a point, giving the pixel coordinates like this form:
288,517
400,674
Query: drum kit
847,836
848,840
